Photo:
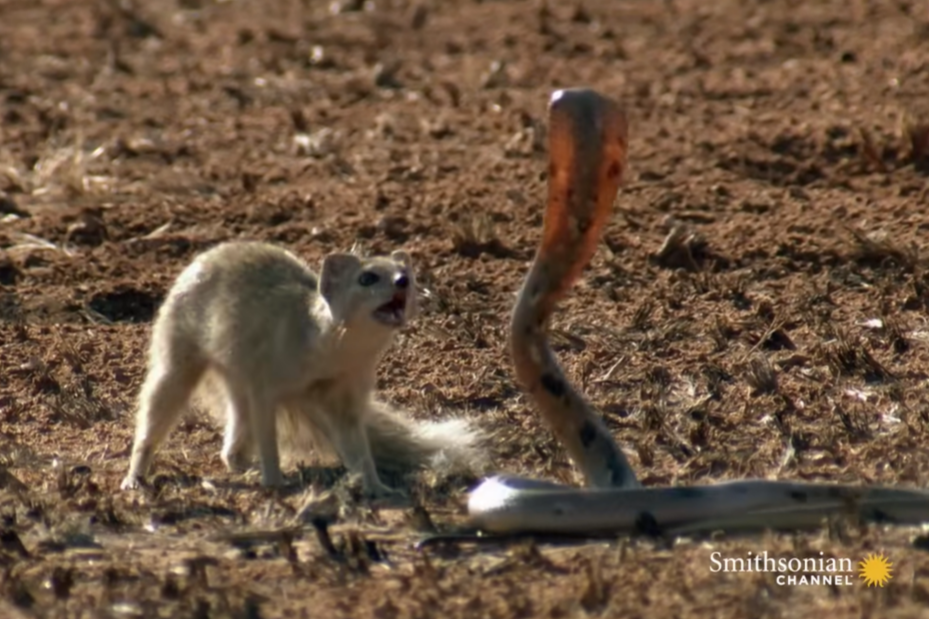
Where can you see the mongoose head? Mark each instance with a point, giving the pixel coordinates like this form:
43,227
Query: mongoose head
380,289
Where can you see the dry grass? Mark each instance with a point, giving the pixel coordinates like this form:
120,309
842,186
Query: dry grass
761,377
870,151
63,171
880,247
915,134
474,234
910,145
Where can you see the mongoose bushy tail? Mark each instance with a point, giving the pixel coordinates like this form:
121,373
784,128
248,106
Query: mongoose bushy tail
398,443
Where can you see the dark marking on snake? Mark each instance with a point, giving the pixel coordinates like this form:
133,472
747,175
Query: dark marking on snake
536,291
688,493
799,497
614,170
879,516
647,524
553,385
619,474
588,434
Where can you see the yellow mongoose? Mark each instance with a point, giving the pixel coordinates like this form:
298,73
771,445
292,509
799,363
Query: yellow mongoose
291,354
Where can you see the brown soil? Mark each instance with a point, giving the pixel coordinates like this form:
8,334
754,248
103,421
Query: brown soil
789,137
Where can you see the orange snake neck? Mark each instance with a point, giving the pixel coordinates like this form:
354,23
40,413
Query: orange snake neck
587,155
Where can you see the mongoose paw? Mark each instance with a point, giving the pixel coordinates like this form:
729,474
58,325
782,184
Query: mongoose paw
130,482
385,496
238,462
272,480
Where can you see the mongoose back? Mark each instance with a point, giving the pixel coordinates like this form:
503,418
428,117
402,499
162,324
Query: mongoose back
275,350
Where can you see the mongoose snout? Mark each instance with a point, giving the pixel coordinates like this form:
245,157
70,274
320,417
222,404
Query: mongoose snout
393,313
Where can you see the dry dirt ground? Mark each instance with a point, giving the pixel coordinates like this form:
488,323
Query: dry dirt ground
784,336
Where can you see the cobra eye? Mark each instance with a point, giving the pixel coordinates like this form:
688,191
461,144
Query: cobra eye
367,278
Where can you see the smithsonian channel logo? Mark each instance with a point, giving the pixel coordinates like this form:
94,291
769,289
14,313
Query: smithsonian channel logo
874,570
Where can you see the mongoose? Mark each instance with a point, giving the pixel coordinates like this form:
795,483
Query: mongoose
289,354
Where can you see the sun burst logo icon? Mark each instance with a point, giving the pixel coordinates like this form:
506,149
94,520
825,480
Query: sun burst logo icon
875,570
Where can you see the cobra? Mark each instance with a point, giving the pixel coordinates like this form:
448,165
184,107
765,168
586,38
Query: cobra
588,147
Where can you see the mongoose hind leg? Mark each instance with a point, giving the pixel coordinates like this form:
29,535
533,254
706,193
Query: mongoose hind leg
168,386
255,406
239,449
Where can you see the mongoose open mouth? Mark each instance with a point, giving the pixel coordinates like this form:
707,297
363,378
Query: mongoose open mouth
392,313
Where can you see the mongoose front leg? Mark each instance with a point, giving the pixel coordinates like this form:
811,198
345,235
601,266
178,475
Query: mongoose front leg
352,445
345,425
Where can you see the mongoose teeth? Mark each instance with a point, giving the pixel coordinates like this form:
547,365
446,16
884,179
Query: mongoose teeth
393,313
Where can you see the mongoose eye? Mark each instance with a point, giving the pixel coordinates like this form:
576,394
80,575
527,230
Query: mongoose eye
402,281
367,278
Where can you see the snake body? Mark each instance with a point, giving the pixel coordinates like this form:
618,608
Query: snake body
587,144
587,157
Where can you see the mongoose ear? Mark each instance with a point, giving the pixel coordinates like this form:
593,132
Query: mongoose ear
336,269
403,258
